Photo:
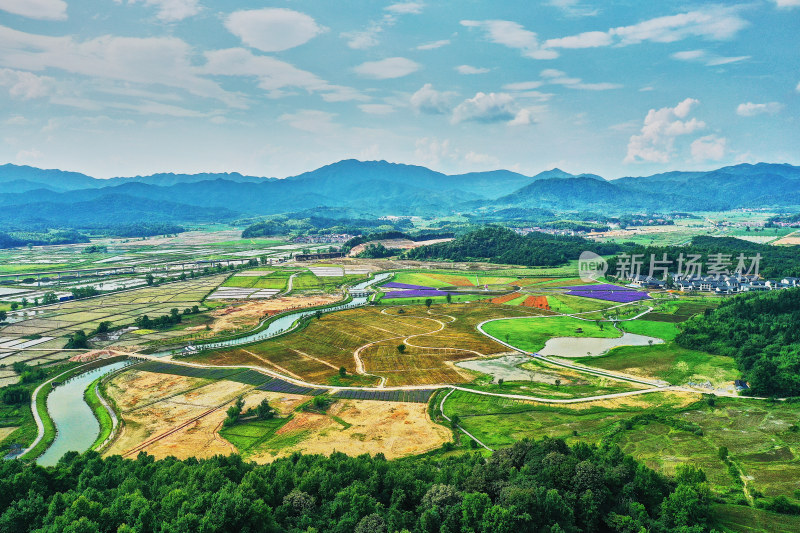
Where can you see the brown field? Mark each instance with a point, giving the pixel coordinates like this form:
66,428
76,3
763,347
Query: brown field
434,340
393,428
152,405
251,313
402,244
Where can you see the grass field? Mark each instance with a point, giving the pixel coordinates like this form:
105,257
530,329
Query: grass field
661,429
530,334
662,330
307,281
668,362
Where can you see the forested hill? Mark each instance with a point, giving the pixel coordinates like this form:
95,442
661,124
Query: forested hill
760,331
542,486
776,262
501,245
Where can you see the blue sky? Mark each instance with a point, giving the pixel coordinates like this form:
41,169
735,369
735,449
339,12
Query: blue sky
127,87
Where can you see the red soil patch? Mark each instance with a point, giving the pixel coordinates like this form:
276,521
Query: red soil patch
540,302
505,298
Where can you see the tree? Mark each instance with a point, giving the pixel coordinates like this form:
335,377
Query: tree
24,303
78,340
3,315
14,306
455,421
264,411
234,411
318,314
103,327
401,348
149,278
500,382
449,298
428,303
342,372
558,382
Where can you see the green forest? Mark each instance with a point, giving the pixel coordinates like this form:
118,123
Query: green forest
500,245
776,261
539,486
760,331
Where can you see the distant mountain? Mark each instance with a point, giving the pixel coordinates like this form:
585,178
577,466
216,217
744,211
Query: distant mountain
56,180
107,209
381,188
167,179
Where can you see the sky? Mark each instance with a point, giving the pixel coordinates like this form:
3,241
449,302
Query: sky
622,88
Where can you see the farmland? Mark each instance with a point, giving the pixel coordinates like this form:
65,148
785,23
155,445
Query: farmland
661,429
433,339
170,412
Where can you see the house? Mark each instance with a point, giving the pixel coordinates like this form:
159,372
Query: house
740,384
791,282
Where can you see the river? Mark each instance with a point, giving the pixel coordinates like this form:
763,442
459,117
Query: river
76,426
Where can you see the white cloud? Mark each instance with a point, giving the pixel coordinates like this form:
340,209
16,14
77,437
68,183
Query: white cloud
171,10
708,148
274,76
711,60
362,39
491,107
406,8
524,117
523,85
310,120
589,39
165,61
36,9
392,67
17,120
656,140
574,8
433,45
512,35
377,109
429,100
787,4
481,160
431,151
24,85
797,89
469,69
713,23
558,77
29,156
750,109
273,29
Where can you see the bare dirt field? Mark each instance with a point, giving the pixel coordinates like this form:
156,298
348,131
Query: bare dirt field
251,313
153,405
401,244
5,432
395,429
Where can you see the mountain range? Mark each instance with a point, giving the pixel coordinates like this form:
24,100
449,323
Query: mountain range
31,195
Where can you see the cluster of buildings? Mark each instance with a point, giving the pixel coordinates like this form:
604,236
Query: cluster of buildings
722,284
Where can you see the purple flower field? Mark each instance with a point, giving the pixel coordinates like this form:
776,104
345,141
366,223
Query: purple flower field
395,285
603,287
621,297
421,293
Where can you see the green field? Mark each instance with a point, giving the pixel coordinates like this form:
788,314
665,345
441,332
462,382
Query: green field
662,330
668,362
530,334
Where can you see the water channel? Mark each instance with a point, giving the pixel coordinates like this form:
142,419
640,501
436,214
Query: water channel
76,426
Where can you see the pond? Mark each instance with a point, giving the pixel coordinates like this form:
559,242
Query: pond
592,346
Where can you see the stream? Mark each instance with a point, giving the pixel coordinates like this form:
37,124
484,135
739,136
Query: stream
76,426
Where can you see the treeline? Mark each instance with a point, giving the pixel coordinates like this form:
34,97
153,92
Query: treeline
542,486
501,245
164,321
310,224
760,331
137,229
386,235
15,239
776,262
